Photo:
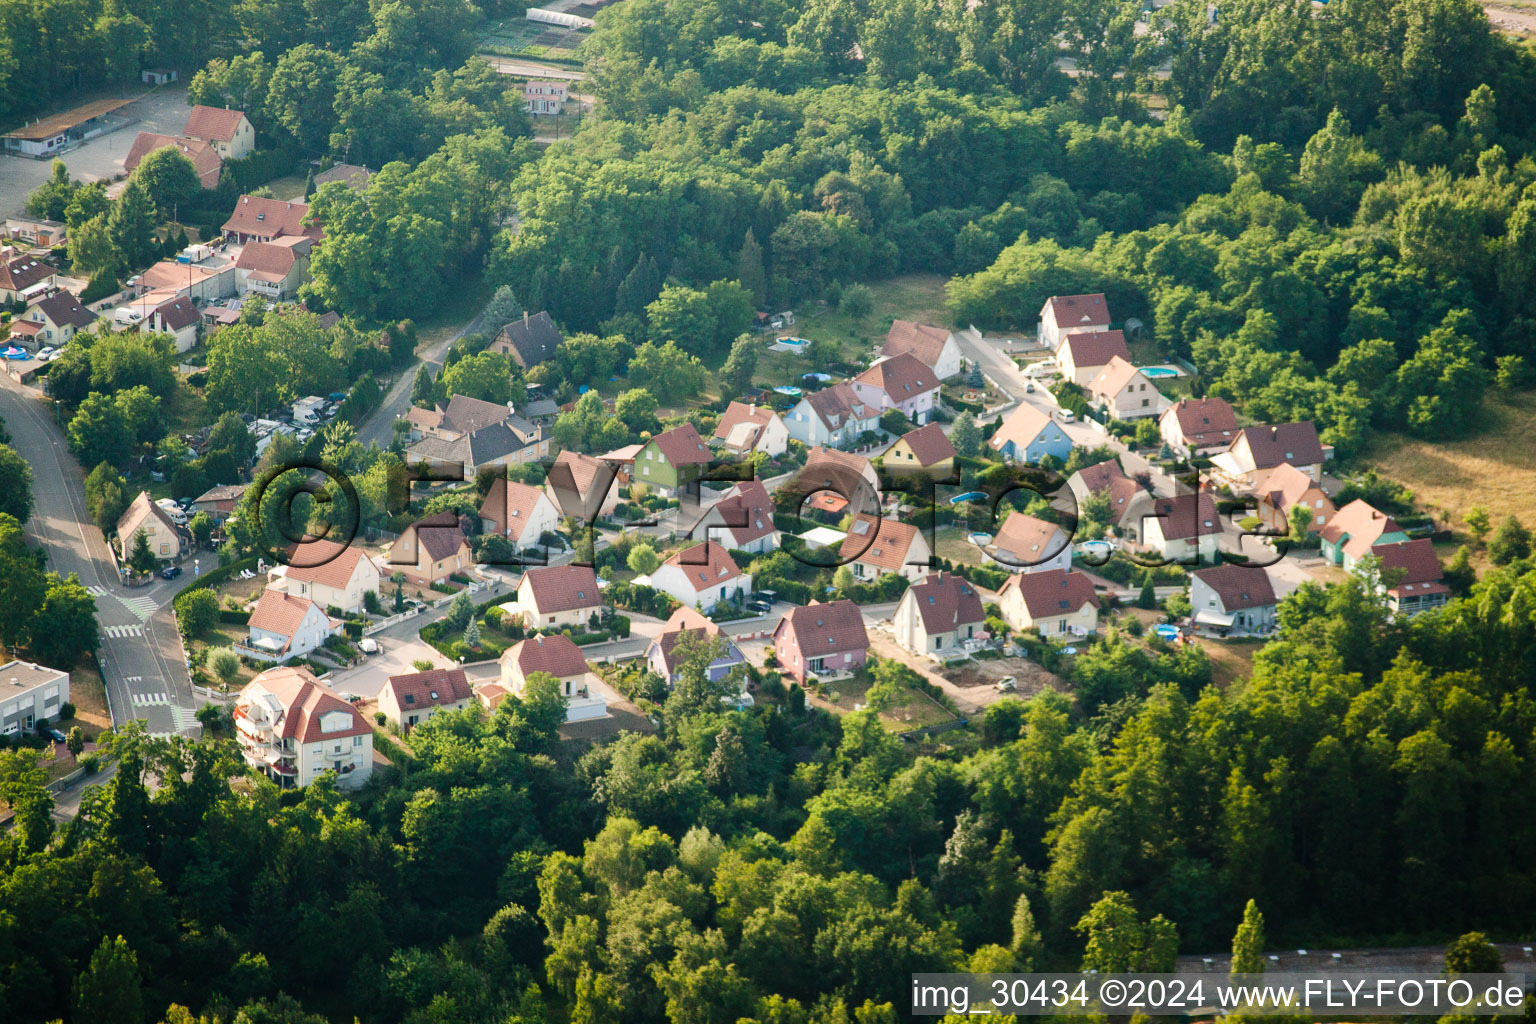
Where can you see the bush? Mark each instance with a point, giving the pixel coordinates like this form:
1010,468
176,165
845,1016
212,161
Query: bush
371,602
197,609
66,710
379,717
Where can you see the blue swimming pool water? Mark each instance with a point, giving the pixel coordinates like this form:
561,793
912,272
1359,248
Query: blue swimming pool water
794,342
1158,371
967,496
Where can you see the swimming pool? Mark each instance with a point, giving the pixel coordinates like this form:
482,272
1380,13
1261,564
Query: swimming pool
793,342
967,496
788,389
1158,371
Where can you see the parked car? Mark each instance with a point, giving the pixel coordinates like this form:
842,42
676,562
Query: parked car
1067,415
1029,387
368,645
46,353
170,572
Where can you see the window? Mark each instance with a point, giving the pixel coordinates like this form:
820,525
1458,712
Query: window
357,741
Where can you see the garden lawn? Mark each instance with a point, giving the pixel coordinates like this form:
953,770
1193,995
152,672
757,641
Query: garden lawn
917,711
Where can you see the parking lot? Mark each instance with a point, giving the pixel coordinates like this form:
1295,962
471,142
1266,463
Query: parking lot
164,110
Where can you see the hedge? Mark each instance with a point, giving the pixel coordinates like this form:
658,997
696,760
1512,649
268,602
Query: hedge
224,573
234,618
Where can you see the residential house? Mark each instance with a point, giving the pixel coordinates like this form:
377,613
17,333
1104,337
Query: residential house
875,545
701,576
354,176
1026,544
1055,602
939,613
284,626
835,416
1084,356
821,640
1285,487
544,95
1354,530
1410,576
558,597
742,520
45,234
1123,392
582,486
1183,529
170,279
1029,435
293,728
332,575
30,694
408,700
275,269
661,655
1108,479
1072,314
490,695
1193,427
832,480
1232,597
228,131
745,429
557,656
462,415
673,460
1257,450
936,347
52,321
431,549
903,382
256,219
522,513
206,161
24,278
511,440
144,516
179,318
220,501
529,341
925,450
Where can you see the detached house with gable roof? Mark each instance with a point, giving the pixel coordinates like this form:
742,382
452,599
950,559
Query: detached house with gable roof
1029,435
1067,314
875,545
673,460
701,576
519,512
1124,392
274,269
330,574
1192,427
204,157
556,655
1108,479
582,485
408,700
1183,529
1355,530
1026,544
284,626
469,435
1257,450
1232,597
529,341
228,131
1286,487
1083,357
558,596
924,450
430,550
901,382
1411,576
293,728
23,278
661,654
835,417
936,347
743,519
144,516
1053,602
825,640
744,429
940,613
52,321
256,219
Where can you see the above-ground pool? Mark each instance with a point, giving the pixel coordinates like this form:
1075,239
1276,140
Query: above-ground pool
967,496
788,389
1159,371
1167,632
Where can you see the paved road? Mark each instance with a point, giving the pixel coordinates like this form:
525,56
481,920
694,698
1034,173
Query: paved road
164,110
141,657
379,428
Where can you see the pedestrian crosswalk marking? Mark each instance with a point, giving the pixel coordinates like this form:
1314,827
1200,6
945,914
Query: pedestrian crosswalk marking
119,632
142,607
142,700
97,591
183,718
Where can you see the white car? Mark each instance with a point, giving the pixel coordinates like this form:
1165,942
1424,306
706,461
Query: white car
1067,416
46,353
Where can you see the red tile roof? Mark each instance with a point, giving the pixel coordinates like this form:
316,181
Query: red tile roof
901,377
1079,310
63,309
555,653
1051,593
822,629
1096,348
921,340
1108,478
305,700
682,446
269,218
1028,540
280,613
509,506
434,688
1296,443
1187,516
705,568
561,588
929,444
1238,586
749,504
1411,567
267,261
22,273
440,535
945,602
835,406
324,561
1362,523
882,543
212,123
180,312
206,161
1111,380
1205,421
757,417
1021,427
1284,486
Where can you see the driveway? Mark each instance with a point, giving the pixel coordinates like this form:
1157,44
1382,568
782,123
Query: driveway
396,657
163,110
379,428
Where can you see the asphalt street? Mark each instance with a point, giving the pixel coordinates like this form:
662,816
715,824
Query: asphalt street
141,657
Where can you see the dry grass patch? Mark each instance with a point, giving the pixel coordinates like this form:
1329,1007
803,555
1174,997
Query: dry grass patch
1495,467
1230,660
